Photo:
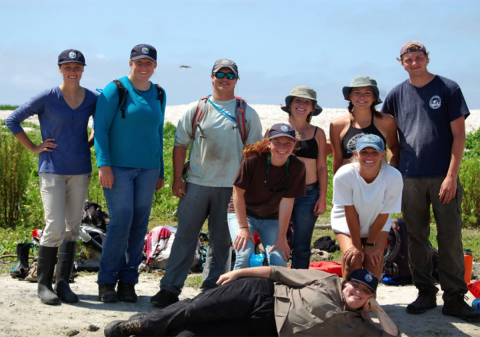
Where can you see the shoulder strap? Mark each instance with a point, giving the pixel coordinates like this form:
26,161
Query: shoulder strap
122,96
240,114
160,94
314,134
199,113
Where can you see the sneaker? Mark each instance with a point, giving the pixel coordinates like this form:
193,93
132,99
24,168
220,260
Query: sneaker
455,305
163,298
123,328
427,299
107,293
126,292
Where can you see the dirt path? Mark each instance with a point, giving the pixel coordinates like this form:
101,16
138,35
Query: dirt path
22,314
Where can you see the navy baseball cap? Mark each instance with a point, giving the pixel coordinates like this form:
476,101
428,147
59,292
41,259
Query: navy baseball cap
71,55
142,51
370,140
365,277
281,130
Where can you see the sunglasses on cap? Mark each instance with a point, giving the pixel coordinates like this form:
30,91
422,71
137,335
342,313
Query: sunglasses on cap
220,75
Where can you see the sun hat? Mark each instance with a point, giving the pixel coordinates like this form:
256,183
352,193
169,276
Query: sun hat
281,130
370,140
418,46
224,63
365,277
303,92
362,81
142,51
71,55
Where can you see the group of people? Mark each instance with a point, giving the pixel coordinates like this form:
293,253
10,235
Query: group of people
243,183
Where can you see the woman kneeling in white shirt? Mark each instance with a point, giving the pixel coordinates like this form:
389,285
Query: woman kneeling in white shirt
365,193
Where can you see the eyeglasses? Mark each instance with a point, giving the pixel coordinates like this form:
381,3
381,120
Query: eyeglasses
269,160
358,287
220,75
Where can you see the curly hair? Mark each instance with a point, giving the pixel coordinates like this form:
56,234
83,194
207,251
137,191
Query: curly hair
259,147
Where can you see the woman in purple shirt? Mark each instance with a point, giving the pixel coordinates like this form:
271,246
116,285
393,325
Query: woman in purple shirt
64,169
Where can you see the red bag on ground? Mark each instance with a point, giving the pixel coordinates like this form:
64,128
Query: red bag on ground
474,288
332,267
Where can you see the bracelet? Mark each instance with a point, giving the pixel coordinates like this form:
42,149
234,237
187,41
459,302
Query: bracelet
368,244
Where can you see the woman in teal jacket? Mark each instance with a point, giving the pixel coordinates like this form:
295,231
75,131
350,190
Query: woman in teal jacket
129,148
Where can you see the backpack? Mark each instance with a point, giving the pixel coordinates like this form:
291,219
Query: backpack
201,111
93,215
396,263
123,95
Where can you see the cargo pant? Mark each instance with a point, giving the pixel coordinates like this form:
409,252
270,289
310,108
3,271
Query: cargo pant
418,195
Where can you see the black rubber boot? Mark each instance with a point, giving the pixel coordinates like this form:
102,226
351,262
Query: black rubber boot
47,257
22,267
66,256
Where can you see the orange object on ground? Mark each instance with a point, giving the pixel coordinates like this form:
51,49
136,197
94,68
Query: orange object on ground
332,267
467,255
474,288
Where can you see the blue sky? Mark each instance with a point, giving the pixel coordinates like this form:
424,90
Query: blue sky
277,44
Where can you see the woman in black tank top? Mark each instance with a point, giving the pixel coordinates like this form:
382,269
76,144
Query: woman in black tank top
301,105
362,119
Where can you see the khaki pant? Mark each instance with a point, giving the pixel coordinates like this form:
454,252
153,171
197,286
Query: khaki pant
418,194
63,199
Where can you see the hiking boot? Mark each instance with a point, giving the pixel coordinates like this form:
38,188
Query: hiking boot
123,328
126,292
47,257
66,257
138,315
427,299
107,293
163,298
454,305
21,268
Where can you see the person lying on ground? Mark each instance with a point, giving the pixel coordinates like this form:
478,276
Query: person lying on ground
270,301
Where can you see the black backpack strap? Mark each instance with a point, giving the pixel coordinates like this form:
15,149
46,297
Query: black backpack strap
122,96
160,94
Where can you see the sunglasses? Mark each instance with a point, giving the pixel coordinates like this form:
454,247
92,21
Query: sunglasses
358,287
220,75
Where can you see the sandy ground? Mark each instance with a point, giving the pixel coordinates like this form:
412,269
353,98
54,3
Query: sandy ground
22,313
271,114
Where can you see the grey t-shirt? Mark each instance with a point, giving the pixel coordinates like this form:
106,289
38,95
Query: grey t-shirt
423,118
216,158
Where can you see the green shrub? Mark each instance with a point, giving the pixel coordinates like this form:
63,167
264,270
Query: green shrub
472,145
470,179
8,107
14,172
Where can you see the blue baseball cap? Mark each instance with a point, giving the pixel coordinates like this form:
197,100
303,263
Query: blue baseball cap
370,140
365,277
141,51
281,130
71,55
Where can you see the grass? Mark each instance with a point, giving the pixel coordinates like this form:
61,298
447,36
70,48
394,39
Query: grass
8,107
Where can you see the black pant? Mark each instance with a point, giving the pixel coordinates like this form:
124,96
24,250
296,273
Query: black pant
244,307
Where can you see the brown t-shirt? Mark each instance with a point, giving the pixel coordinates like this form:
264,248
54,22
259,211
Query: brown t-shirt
262,202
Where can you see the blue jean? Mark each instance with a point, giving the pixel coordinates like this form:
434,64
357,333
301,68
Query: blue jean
267,230
303,224
129,203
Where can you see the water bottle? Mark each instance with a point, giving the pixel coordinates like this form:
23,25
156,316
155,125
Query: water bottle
256,260
476,304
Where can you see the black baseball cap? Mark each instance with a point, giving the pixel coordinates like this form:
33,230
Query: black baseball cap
365,277
224,63
71,55
141,51
281,130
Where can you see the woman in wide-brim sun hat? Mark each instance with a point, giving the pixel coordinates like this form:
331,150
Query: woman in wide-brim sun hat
301,105
362,118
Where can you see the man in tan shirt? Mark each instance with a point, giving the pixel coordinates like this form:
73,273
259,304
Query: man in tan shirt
270,301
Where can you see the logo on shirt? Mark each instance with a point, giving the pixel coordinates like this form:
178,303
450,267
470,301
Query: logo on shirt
352,143
435,102
72,55
145,50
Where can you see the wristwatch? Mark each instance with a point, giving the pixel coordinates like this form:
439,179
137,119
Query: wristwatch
368,244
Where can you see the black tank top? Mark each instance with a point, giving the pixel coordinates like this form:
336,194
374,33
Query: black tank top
308,148
349,141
